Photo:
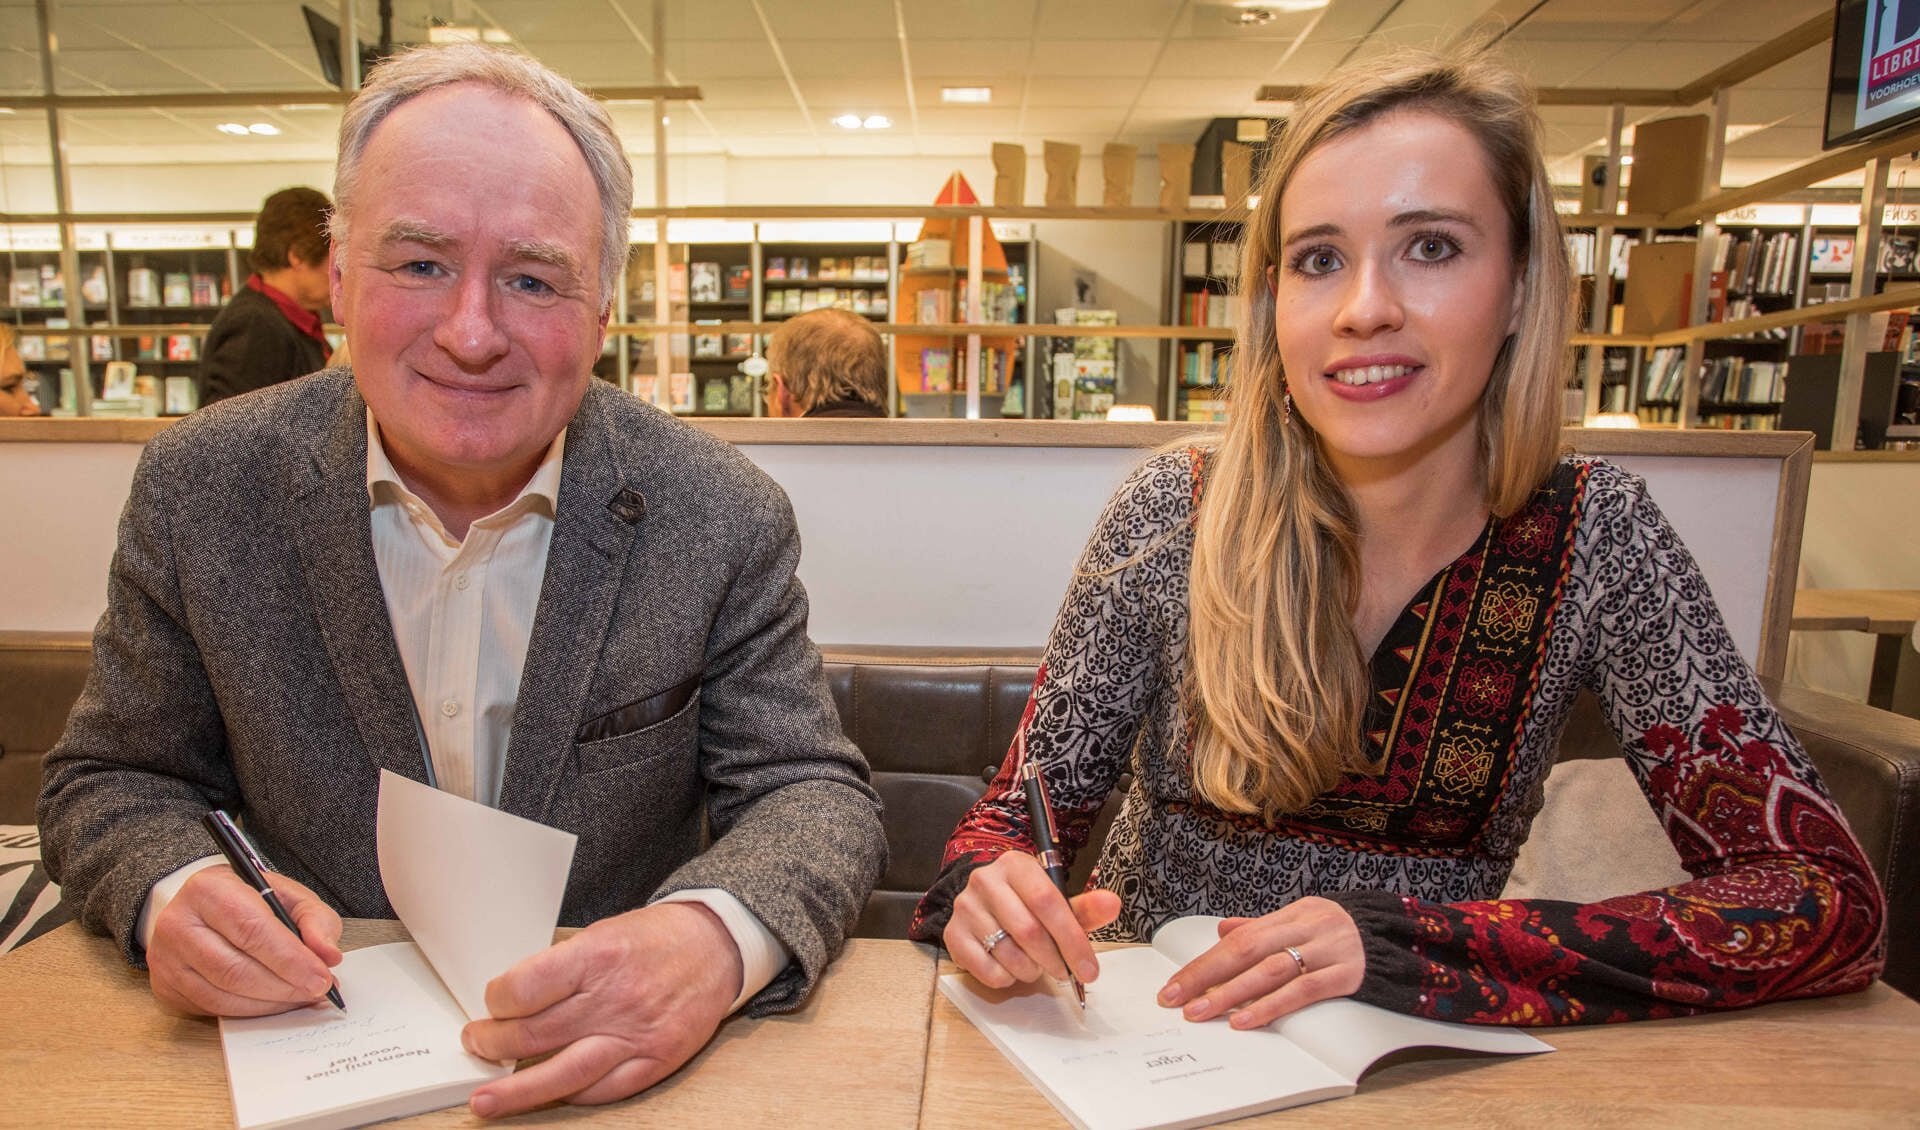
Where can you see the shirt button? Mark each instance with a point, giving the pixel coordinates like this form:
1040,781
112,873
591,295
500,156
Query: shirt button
460,581
449,708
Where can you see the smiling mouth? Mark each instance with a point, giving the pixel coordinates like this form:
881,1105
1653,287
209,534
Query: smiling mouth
1371,374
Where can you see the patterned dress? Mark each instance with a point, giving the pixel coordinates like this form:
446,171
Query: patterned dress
1586,587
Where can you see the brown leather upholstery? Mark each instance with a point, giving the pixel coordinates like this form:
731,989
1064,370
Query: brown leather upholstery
935,724
40,675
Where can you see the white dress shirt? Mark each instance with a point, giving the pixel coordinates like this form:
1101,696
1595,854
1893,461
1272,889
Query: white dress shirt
462,614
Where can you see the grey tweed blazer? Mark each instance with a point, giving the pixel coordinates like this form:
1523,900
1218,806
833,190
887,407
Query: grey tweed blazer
672,712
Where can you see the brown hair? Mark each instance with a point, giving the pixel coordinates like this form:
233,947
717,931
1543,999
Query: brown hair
1277,675
293,219
826,355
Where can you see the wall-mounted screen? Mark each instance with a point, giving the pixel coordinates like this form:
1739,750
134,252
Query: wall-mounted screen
1873,82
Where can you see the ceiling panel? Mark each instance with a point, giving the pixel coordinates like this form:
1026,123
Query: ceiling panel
745,94
1716,19
944,19
824,58
699,61
841,21
1104,92
971,59
1191,58
1094,58
1120,19
975,121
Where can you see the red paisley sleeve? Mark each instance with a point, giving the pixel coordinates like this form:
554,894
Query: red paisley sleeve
1782,902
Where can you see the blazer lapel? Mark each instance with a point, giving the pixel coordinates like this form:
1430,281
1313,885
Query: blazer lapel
335,539
596,519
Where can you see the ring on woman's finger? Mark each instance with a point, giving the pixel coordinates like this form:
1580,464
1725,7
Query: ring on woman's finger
991,940
1294,953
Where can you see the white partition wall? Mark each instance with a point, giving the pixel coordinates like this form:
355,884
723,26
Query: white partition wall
955,533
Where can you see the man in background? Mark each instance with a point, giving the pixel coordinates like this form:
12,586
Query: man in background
272,331
468,554
826,363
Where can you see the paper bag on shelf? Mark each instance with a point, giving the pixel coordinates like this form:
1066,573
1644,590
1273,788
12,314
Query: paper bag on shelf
1009,175
1063,174
1176,175
1116,173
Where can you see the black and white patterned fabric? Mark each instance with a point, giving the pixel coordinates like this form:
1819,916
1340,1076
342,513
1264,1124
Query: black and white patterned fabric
29,902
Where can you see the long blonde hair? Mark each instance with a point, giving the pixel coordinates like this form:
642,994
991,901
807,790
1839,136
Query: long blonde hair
1277,681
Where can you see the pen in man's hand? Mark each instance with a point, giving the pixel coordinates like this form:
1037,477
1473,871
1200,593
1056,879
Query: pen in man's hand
1040,815
247,864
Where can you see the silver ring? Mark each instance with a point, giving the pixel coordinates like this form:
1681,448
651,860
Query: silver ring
1294,953
991,940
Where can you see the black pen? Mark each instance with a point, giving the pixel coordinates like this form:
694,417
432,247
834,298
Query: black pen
1040,814
247,864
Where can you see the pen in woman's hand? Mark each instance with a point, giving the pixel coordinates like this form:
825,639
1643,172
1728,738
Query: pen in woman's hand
247,864
1040,815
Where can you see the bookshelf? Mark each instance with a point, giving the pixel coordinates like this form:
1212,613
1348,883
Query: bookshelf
1205,262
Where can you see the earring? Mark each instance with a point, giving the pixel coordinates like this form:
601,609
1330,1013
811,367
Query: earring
1286,404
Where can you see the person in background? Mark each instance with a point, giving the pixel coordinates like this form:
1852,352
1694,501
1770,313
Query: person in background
272,329
1338,645
16,383
826,363
466,559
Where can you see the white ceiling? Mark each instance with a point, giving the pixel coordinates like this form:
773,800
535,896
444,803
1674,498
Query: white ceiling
775,72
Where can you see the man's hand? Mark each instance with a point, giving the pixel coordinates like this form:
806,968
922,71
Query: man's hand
622,1004
217,950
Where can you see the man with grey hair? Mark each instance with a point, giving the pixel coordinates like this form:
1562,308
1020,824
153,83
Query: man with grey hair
466,561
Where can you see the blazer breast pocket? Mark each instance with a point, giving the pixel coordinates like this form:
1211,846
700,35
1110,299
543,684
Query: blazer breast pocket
599,740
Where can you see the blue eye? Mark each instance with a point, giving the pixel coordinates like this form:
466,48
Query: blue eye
527,284
421,268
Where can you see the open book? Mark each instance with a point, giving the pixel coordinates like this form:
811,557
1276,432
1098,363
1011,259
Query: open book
1127,1063
479,890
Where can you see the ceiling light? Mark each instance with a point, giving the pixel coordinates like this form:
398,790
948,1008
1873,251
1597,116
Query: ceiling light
878,121
264,129
967,95
233,128
848,121
1252,17
1627,160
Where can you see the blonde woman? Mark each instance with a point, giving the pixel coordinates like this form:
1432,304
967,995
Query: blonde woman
1337,647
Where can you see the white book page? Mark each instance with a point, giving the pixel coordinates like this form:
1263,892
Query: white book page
477,888
1126,1063
1343,1033
395,1051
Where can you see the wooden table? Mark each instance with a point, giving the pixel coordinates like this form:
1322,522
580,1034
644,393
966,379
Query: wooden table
1839,1061
1889,614
877,1046
87,1046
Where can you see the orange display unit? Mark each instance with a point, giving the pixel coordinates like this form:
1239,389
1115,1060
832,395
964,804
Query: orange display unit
932,365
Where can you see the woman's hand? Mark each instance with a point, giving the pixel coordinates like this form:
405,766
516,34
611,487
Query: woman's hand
1012,924
1267,967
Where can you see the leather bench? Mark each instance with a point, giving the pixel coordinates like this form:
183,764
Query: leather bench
936,723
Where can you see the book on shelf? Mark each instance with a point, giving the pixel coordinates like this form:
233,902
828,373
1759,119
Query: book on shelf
738,344
26,287
395,1050
799,267
1223,261
1193,260
936,370
703,282
776,268
176,289
707,346
829,268
715,394
741,392
739,282
1127,1063
57,348
32,348
183,347
1899,253
1830,255
93,288
53,286
205,290
933,306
